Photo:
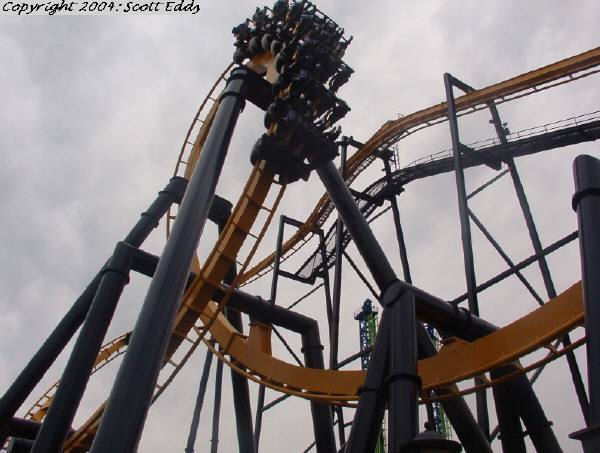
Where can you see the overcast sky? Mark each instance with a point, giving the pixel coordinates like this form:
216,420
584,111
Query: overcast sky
94,110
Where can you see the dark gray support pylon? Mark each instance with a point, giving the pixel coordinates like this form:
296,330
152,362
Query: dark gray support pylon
258,417
311,347
277,259
458,412
465,227
403,381
239,383
337,276
398,226
321,412
42,360
214,440
324,274
199,403
123,420
334,335
543,264
371,405
241,398
511,431
548,283
58,420
586,202
383,274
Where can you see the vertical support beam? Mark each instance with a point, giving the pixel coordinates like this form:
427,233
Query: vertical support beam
239,383
277,260
33,372
465,227
371,405
586,202
123,421
214,441
334,336
511,431
399,232
199,403
337,277
241,398
325,277
549,284
404,383
58,421
543,264
321,412
258,417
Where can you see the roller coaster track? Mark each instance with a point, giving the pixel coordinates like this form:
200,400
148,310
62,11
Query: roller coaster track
456,362
391,132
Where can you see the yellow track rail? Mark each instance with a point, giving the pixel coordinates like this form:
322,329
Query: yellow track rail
456,362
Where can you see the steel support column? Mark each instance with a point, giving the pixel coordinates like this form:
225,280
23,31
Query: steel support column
241,398
543,264
371,405
214,440
465,227
403,381
258,417
337,293
511,431
586,202
199,403
337,276
321,412
548,283
399,232
383,274
123,420
42,360
58,420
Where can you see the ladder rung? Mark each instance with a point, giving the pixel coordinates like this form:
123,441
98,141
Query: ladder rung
192,308
199,330
181,335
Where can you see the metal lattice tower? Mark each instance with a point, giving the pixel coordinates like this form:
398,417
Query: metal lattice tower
368,319
442,425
